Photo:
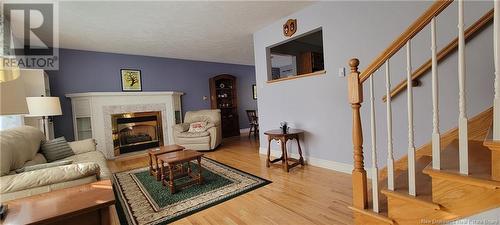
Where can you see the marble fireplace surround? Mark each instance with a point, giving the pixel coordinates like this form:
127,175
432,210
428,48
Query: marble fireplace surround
109,110
99,106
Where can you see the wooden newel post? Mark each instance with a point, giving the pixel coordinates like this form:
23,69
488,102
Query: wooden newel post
359,190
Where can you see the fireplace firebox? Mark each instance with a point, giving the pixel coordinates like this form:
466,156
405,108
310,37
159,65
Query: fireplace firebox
136,131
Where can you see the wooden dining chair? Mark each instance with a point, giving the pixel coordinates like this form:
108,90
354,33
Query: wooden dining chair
253,122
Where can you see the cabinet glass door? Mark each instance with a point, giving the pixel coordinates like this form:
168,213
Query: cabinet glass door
83,128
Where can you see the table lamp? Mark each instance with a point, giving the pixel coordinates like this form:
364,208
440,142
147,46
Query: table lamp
44,107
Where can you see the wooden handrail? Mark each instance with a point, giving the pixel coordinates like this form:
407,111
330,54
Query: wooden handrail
471,32
434,10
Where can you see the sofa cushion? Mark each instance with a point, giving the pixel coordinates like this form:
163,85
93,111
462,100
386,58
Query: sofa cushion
56,149
47,176
17,146
83,146
38,159
193,134
46,188
92,157
197,127
43,166
193,140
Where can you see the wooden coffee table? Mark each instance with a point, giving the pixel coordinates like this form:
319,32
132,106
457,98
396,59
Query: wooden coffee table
154,153
176,169
86,204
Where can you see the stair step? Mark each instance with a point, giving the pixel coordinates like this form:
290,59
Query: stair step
414,199
479,165
405,208
370,214
494,146
489,142
482,182
423,181
464,195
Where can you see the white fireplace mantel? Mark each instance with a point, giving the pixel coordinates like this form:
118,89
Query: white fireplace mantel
92,112
146,93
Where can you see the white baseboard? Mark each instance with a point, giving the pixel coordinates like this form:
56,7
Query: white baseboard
323,163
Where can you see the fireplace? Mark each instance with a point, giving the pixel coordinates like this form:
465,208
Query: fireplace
136,131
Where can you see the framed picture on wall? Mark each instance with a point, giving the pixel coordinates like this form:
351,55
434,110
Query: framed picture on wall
254,91
131,80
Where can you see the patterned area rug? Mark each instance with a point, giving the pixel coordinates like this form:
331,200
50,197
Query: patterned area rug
141,200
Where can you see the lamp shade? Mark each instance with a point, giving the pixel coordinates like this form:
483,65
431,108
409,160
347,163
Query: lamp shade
44,106
13,98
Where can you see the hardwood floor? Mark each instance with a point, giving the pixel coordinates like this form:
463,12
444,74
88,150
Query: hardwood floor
308,195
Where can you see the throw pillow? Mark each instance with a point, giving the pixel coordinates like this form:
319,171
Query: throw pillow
56,149
197,127
83,146
44,166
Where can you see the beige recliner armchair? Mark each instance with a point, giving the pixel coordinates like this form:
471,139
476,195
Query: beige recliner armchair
201,141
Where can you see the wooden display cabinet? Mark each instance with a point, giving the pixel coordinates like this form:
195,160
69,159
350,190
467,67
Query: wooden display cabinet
223,96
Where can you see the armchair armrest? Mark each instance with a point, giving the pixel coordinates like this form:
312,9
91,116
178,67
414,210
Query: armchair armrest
182,127
209,125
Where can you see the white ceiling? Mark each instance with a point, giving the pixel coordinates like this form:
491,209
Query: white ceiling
205,31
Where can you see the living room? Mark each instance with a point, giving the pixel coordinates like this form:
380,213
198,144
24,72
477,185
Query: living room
250,112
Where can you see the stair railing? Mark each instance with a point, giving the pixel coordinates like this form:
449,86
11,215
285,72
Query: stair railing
355,95
470,33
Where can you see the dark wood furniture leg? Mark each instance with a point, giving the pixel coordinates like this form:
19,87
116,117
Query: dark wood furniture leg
151,165
162,173
301,160
171,178
105,215
268,162
200,178
284,154
158,175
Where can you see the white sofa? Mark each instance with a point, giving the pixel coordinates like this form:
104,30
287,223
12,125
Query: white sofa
20,147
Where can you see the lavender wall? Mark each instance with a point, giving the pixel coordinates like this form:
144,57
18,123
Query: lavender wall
85,71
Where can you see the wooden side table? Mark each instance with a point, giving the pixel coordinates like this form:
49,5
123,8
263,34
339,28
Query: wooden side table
174,159
87,204
278,135
154,153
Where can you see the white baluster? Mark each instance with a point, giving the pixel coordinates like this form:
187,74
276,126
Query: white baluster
436,137
374,149
496,43
390,154
411,142
462,118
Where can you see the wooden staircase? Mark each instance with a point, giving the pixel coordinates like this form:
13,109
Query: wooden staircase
442,195
457,174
